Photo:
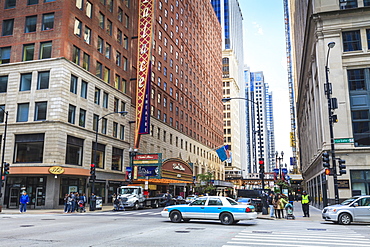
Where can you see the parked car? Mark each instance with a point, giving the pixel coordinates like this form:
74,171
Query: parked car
190,198
225,209
356,209
256,202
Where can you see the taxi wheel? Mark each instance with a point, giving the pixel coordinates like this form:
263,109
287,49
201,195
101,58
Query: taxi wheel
226,219
175,216
345,219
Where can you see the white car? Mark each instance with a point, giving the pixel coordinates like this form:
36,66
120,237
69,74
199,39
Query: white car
220,208
356,209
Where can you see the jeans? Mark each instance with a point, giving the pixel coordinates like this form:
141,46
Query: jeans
271,210
23,207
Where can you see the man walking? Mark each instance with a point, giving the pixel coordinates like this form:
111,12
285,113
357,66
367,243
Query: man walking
23,201
271,200
306,204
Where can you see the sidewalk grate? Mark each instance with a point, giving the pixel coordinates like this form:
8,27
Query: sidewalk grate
182,231
26,225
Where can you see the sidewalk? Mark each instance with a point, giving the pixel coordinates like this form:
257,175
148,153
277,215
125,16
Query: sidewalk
315,214
108,207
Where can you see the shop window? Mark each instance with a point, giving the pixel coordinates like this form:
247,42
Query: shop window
25,84
74,150
30,25
40,111
46,47
100,155
117,158
47,21
29,148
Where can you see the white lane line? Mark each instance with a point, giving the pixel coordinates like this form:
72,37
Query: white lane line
282,235
143,213
347,243
267,244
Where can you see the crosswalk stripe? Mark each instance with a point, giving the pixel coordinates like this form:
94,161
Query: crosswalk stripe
284,242
318,238
284,235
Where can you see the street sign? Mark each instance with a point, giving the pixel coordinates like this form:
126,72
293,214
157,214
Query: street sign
344,140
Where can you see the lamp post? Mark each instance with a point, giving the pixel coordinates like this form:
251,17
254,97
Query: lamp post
331,107
3,157
124,113
278,165
261,159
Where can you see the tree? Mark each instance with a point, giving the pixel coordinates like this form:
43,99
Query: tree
205,183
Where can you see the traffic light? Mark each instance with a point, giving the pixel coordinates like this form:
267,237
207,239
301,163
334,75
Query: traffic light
6,168
92,171
328,171
326,159
342,167
262,165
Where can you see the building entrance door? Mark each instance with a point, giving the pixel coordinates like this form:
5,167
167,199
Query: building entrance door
40,197
14,194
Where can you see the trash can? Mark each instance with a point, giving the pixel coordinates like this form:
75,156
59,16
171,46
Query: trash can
99,203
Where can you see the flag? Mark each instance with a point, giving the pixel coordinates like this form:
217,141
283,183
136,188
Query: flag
221,152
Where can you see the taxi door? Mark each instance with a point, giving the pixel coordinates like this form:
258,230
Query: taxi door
213,209
195,210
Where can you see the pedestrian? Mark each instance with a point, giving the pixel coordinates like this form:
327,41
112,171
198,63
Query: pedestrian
291,198
73,201
84,200
23,201
66,203
270,201
92,202
168,197
306,199
280,206
69,204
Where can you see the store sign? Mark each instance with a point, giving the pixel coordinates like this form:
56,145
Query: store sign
148,171
343,184
56,170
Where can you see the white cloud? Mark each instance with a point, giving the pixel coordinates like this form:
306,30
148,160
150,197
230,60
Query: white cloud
258,27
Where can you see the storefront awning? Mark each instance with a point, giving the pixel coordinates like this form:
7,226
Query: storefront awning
161,181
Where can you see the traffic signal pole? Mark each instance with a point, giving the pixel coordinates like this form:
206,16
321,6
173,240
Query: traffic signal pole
2,159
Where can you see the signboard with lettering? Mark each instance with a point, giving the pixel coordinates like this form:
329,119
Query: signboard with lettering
344,140
56,170
147,166
343,184
177,169
146,16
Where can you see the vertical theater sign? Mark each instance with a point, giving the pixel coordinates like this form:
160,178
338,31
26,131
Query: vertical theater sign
146,16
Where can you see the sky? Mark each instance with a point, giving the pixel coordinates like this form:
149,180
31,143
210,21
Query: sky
264,50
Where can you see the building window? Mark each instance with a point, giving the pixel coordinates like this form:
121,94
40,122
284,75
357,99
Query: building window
101,20
127,3
71,114
105,100
125,63
125,42
43,80
40,111
77,28
109,28
97,96
95,122
88,9
3,84
86,61
368,34
2,113
118,59
29,148
122,132
360,181
351,40
79,4
124,82
87,36
82,118
115,129
127,21
117,158
47,21
100,45
30,25
107,50
117,82
22,113
28,51
100,155
5,55
74,150
123,106
119,36
32,2
26,80
73,85
120,14
10,4
48,1
366,3
104,126
99,70
84,89
45,50
106,76
347,4
115,106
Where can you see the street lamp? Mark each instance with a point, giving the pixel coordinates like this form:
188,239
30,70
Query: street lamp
280,159
124,113
331,106
2,157
261,159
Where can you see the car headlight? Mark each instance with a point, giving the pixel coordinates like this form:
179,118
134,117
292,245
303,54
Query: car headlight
165,209
332,210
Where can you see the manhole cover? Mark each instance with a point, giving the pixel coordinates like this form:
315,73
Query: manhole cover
262,232
47,219
195,228
182,231
316,229
26,225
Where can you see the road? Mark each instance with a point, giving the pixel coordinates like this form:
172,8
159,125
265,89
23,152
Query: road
147,228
